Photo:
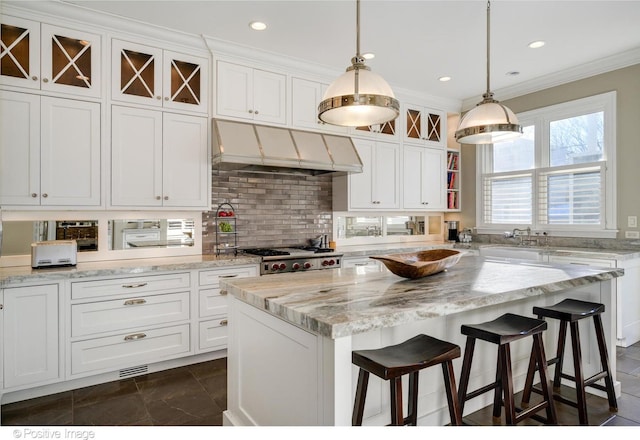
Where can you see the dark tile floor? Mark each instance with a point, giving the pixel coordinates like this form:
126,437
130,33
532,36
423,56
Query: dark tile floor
195,395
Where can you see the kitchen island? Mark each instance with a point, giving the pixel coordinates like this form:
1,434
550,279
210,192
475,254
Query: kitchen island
291,335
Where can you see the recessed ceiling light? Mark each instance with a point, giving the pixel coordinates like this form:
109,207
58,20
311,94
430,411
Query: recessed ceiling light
513,73
257,25
444,78
368,55
536,44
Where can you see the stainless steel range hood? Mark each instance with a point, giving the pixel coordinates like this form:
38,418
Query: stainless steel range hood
265,149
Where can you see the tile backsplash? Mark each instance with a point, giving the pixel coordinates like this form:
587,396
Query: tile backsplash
271,209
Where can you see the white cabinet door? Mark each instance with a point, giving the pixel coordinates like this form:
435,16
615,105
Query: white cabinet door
377,186
49,150
158,159
425,126
19,149
136,73
185,167
71,61
248,93
136,157
30,334
70,152
185,79
20,52
306,95
423,178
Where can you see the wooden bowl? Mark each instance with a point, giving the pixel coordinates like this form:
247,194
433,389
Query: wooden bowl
420,264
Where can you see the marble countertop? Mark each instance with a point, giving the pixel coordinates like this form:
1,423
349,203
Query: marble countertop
21,274
343,302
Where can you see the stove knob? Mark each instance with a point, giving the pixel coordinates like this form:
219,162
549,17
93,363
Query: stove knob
283,266
325,263
307,265
331,262
275,266
295,266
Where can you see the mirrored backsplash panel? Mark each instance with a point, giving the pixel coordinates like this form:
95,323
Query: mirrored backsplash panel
18,235
352,227
150,233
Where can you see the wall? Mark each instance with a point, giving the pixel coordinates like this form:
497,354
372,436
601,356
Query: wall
626,82
271,210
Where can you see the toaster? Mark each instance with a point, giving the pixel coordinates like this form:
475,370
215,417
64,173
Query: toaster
54,253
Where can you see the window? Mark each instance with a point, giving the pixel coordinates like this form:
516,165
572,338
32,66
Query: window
559,176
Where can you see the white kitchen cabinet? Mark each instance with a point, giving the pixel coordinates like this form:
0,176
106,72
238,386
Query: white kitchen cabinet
120,323
30,334
423,174
424,126
49,151
213,306
158,159
306,96
249,93
50,58
378,186
387,131
361,262
152,76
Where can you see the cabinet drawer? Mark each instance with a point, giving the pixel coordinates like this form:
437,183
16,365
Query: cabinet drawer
212,303
129,312
130,286
129,349
212,277
213,334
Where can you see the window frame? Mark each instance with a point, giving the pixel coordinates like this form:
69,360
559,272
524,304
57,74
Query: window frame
541,118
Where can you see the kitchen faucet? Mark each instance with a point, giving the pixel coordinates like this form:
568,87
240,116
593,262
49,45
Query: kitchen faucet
519,233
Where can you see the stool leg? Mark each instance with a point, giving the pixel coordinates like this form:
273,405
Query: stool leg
396,401
497,392
361,394
541,360
579,376
466,371
452,397
528,383
562,336
604,359
412,417
507,385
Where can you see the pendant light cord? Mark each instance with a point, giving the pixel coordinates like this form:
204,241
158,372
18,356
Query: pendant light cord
358,57
488,94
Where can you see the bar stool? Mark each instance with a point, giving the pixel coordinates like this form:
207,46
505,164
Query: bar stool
570,311
409,357
502,331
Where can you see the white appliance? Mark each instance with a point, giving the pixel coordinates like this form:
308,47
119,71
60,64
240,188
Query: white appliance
54,253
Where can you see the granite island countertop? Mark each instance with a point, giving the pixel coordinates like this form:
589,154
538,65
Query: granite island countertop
343,302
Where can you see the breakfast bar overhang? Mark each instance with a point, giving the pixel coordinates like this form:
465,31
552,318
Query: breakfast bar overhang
291,335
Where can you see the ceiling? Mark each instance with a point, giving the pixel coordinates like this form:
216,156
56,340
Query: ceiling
416,42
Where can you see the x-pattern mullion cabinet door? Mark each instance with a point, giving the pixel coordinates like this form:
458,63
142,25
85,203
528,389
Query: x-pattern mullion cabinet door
136,73
70,61
184,82
425,126
19,52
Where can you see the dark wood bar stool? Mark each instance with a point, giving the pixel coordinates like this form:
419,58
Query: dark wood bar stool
570,311
502,331
409,357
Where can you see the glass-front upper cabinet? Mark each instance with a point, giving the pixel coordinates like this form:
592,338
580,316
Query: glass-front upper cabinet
49,58
424,126
152,76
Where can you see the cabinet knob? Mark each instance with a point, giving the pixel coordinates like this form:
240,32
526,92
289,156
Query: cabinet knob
34,195
250,111
158,98
35,78
1,306
45,195
223,292
224,322
45,80
158,198
166,98
166,197
256,112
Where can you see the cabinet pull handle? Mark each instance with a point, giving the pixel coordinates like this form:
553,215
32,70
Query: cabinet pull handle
133,302
224,322
224,292
135,336
229,276
134,286
361,264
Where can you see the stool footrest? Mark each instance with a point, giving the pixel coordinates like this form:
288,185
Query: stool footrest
526,413
481,391
596,377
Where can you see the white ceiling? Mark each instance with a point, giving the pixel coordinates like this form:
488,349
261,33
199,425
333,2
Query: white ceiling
416,42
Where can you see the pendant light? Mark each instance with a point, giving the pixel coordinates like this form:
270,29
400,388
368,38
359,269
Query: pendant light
359,97
489,122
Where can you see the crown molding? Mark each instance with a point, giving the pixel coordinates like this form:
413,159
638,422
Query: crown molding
603,65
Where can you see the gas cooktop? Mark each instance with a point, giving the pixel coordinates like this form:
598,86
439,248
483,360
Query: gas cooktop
274,252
